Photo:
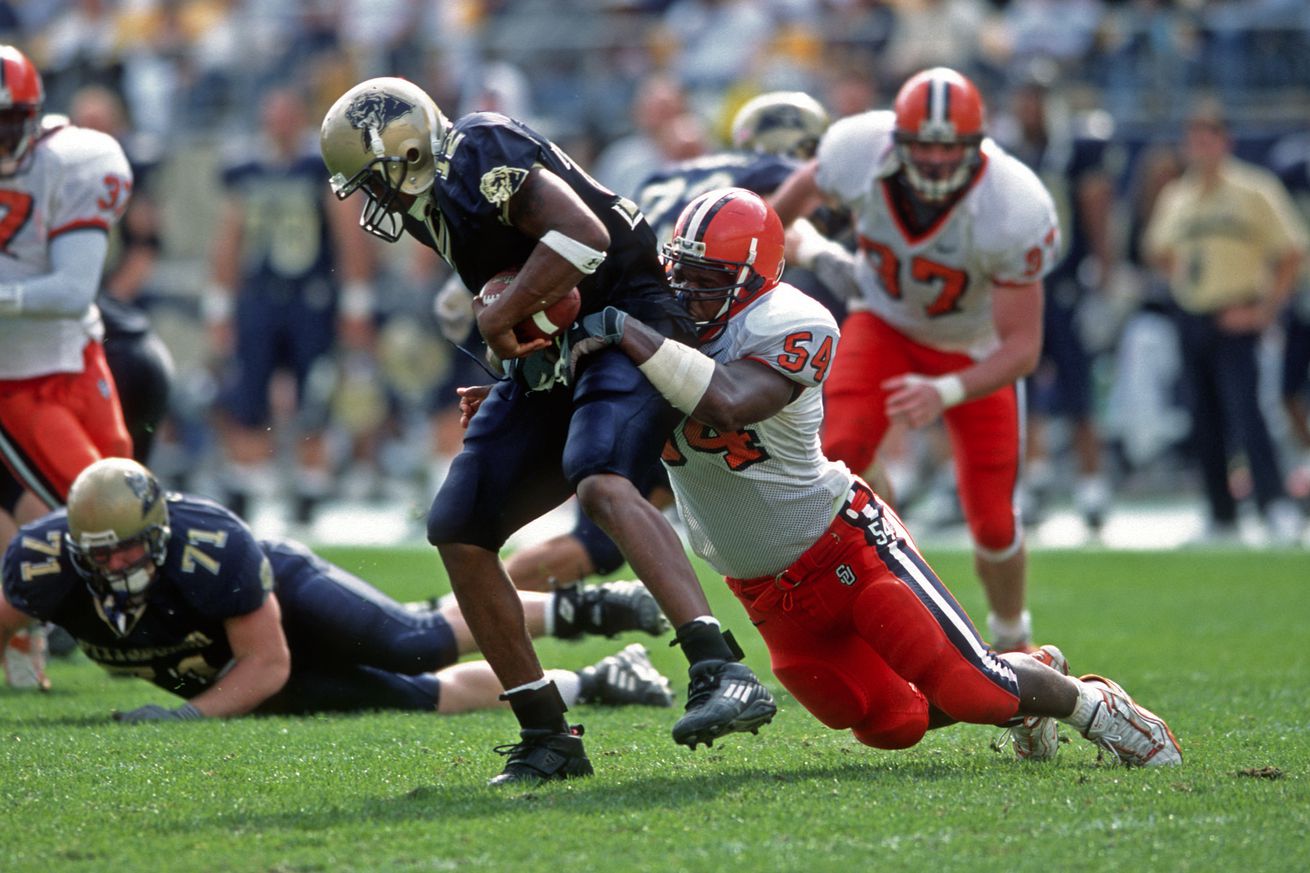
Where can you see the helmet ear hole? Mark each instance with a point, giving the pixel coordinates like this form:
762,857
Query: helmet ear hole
412,155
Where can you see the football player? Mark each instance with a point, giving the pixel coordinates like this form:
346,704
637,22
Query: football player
177,590
771,134
489,193
859,628
955,237
63,188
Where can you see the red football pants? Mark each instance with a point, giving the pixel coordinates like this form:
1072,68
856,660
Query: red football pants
984,433
53,427
864,635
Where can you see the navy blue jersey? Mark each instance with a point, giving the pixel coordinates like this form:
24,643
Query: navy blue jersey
286,237
214,570
484,162
665,193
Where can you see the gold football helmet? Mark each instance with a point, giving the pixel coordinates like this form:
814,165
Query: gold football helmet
382,135
780,123
113,505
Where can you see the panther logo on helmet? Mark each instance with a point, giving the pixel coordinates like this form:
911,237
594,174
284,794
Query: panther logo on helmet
374,111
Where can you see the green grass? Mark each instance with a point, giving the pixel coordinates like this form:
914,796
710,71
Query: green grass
1215,642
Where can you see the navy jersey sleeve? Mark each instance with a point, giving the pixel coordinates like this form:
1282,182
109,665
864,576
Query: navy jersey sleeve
214,560
37,578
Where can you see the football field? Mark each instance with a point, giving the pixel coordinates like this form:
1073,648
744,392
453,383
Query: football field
1216,642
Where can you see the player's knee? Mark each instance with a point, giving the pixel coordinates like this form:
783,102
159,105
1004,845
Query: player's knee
892,730
604,495
996,538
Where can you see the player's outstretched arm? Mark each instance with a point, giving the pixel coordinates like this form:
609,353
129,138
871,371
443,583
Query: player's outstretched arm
725,396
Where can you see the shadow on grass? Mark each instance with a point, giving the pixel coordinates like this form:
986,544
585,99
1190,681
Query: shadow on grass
596,796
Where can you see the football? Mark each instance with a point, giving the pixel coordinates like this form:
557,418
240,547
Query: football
547,323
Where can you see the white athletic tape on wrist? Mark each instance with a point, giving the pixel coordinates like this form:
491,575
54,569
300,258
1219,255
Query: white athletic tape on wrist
580,255
680,373
950,389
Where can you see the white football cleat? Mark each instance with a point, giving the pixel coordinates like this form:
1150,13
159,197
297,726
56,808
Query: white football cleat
24,658
1037,737
1134,735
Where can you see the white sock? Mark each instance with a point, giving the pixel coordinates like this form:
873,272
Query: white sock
1010,633
706,619
529,686
569,685
1084,709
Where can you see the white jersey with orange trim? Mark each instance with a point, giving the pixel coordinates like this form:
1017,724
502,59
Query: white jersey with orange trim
753,501
937,287
75,179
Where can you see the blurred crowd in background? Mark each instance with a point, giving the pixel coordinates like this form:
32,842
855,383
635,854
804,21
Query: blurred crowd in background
201,91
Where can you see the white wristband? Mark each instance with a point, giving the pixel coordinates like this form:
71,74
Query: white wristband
580,255
216,304
680,373
356,300
950,388
11,298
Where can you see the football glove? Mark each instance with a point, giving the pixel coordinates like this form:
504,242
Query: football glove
595,332
155,712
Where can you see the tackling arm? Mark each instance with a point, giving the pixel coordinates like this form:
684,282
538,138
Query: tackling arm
735,394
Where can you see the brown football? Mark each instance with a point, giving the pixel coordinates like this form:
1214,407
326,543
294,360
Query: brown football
547,323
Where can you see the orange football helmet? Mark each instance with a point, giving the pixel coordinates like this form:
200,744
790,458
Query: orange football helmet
943,108
21,98
731,234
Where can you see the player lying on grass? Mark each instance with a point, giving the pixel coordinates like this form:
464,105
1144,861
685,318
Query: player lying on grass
177,590
859,628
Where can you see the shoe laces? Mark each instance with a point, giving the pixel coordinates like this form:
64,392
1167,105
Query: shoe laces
530,738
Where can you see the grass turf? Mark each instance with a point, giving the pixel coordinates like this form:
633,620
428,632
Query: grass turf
1213,641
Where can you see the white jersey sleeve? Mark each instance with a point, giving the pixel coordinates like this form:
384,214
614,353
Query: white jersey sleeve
851,153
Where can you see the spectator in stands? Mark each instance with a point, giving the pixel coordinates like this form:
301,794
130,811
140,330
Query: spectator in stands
1229,238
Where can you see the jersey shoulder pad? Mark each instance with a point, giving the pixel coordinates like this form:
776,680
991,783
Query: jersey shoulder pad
851,152
37,577
489,157
86,152
791,332
1012,206
214,559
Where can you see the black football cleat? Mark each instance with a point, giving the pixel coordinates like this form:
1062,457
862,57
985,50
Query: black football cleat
607,610
724,698
543,756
